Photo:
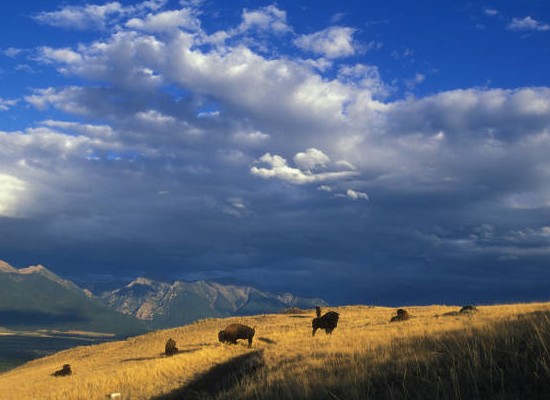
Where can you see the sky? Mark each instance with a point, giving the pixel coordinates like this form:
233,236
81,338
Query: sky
368,152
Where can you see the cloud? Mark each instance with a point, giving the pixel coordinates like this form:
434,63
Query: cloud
333,42
527,24
278,168
12,190
355,195
491,12
6,104
166,21
81,18
268,19
160,134
310,159
93,16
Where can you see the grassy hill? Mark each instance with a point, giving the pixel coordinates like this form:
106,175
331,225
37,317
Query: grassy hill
34,298
501,352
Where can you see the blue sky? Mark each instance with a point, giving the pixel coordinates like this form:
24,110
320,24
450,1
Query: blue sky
365,152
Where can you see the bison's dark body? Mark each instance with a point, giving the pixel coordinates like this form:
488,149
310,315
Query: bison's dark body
170,348
468,309
328,322
402,315
233,332
65,371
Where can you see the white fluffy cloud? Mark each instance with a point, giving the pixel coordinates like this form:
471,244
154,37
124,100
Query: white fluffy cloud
165,132
12,190
5,104
93,16
267,19
166,21
527,24
355,195
278,168
333,42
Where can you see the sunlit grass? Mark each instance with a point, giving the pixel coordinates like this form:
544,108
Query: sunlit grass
496,353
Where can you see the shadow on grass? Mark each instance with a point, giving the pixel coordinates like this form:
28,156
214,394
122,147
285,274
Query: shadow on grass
161,355
506,360
267,340
220,378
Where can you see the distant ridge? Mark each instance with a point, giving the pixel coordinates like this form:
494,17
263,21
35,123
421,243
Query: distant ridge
5,267
35,298
178,303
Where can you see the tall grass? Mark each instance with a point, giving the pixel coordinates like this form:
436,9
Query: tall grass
499,353
502,360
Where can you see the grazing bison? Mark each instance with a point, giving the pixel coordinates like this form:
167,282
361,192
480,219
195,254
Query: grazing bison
468,309
402,315
170,348
328,322
65,371
236,331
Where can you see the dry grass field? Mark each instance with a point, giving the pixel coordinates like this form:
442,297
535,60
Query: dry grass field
500,352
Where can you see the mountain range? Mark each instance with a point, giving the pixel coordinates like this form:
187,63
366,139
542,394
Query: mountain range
173,304
36,298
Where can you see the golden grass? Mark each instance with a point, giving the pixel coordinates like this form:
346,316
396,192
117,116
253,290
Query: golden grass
366,357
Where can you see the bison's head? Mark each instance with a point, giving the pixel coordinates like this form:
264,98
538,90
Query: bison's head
222,337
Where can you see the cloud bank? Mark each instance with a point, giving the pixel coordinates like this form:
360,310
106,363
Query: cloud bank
234,150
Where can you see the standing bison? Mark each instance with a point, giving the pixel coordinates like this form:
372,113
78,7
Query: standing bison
328,322
170,348
65,371
402,315
236,331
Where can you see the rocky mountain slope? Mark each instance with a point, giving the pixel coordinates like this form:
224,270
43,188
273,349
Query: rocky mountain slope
35,298
178,303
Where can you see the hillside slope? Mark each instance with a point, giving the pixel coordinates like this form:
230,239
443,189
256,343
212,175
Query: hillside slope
499,352
35,298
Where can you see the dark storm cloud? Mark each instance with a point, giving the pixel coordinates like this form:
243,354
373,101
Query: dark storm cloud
181,156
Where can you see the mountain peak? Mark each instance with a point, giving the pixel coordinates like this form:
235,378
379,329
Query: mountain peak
34,269
5,267
142,281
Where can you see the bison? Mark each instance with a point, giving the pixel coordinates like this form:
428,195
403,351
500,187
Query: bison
468,309
170,348
402,315
65,371
328,322
236,331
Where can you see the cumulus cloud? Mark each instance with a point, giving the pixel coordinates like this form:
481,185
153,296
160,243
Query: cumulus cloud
87,17
166,21
355,195
278,168
93,16
310,159
268,19
6,104
12,190
333,42
165,133
527,24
